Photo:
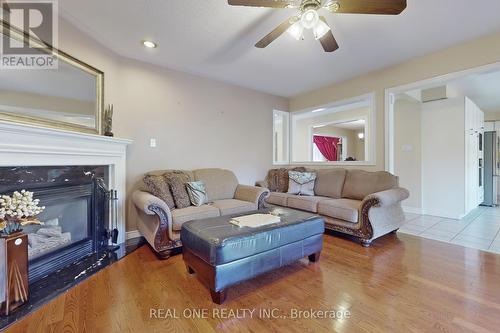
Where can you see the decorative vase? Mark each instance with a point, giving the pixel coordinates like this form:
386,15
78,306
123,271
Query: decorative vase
13,271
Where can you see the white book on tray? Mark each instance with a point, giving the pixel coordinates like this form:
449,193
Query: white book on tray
255,220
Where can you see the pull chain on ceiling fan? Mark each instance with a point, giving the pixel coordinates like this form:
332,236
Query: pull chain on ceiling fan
309,18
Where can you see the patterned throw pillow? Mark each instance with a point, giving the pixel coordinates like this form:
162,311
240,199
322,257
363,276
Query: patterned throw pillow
278,179
177,181
197,193
158,186
301,183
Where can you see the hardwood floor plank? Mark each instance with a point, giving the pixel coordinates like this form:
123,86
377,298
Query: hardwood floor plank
401,284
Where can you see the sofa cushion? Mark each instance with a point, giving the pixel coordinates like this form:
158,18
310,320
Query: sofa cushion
277,198
301,182
307,203
179,216
158,186
360,183
233,206
329,182
177,181
197,192
277,179
343,209
220,183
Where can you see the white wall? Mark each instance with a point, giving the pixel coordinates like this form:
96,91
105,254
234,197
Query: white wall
443,157
408,150
197,122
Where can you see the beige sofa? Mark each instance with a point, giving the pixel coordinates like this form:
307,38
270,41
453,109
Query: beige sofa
355,202
161,225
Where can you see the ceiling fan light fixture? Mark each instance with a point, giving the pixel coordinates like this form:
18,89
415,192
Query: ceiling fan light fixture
149,44
296,30
309,18
333,6
320,29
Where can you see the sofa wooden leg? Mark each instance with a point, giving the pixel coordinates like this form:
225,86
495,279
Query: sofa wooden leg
314,257
366,242
218,297
164,254
189,270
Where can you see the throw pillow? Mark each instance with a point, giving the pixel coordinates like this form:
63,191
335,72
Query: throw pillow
301,183
197,193
177,181
159,187
272,180
283,178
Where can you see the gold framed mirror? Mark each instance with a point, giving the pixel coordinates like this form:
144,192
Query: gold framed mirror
69,96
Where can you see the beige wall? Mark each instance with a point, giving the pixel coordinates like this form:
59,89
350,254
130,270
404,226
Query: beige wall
197,122
491,116
29,100
408,149
476,53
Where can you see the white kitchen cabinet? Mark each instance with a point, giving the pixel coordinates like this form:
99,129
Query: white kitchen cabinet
452,183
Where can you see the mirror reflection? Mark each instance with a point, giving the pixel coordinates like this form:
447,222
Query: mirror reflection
332,134
66,94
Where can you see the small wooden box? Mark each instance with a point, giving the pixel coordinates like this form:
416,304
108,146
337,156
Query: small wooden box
13,272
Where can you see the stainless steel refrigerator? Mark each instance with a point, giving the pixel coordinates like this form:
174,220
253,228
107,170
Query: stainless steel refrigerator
491,166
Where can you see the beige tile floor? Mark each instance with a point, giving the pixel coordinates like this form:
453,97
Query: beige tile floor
479,230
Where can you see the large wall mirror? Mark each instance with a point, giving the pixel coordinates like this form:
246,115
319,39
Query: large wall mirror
68,97
341,133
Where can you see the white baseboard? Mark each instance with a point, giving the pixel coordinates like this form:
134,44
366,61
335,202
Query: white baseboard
132,234
413,210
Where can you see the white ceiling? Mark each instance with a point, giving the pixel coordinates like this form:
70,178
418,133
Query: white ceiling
213,39
352,125
483,89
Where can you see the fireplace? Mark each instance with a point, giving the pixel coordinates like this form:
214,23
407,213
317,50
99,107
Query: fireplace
76,217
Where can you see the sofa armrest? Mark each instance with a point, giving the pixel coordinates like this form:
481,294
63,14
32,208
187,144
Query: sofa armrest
254,194
262,183
146,201
389,197
381,213
158,232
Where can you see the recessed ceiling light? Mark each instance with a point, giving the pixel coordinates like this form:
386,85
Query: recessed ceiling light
318,110
149,44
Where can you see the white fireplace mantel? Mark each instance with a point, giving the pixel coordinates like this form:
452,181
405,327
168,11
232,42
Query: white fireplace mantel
26,145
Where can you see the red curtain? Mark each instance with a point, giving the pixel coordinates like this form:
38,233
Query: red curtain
327,145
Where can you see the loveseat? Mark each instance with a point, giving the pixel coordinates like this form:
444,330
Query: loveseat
161,225
355,202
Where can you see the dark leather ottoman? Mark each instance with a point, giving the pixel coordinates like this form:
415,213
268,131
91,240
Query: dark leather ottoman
223,254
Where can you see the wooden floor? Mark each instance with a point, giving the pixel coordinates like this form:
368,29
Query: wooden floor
401,284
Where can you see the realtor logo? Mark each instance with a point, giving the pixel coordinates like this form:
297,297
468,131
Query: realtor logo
32,22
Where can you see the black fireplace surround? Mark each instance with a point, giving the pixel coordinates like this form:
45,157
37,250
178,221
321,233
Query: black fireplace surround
77,205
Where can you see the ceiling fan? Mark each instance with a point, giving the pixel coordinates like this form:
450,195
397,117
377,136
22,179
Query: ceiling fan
308,18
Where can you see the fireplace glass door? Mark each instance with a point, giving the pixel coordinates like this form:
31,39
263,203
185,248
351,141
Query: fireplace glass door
66,220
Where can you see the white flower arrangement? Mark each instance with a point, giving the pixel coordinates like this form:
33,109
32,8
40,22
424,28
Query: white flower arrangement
18,210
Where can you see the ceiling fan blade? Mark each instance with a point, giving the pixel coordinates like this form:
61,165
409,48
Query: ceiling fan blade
275,34
382,7
264,3
328,41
